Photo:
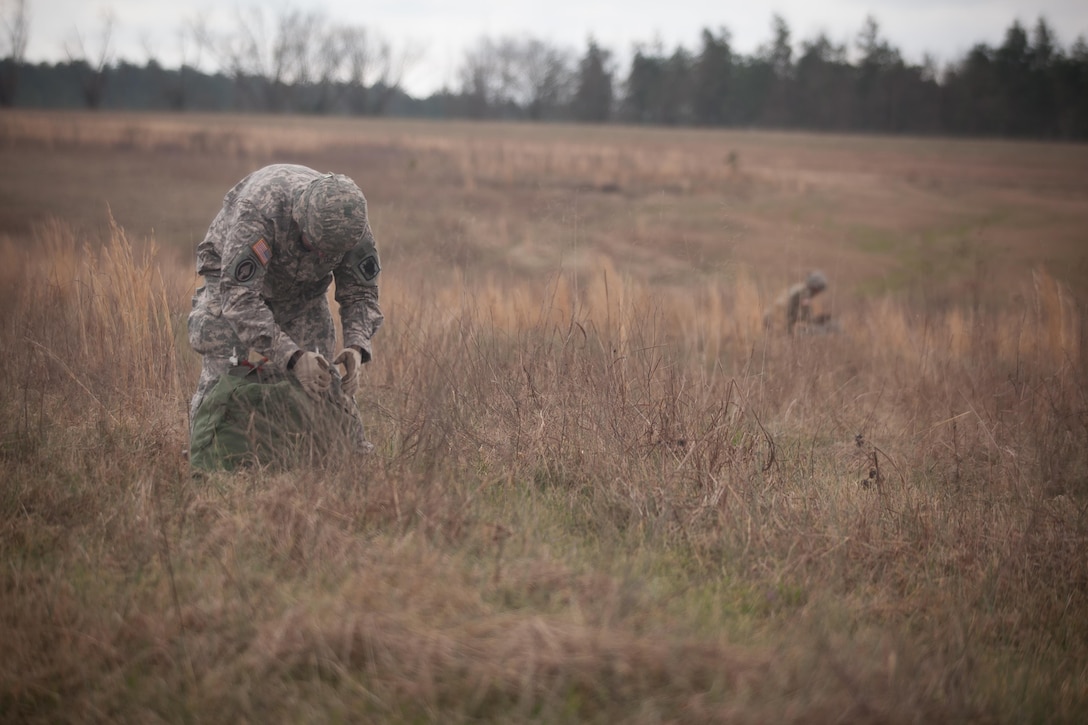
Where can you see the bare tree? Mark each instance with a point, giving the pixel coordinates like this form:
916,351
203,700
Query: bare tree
375,69
516,76
16,34
547,78
261,54
349,66
175,84
94,67
479,79
299,60
326,67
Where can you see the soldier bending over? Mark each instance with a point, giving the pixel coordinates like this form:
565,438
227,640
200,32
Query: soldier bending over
284,234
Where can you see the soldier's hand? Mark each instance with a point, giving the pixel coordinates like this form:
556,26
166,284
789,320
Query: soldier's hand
312,371
351,359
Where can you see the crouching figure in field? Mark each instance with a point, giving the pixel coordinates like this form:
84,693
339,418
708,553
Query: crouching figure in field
792,311
285,233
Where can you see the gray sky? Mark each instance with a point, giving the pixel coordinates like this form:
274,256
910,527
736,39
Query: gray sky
441,29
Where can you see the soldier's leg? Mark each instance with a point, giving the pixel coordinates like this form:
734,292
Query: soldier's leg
212,337
213,368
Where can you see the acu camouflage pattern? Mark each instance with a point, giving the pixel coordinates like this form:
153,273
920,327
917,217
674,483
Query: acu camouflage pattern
265,284
331,210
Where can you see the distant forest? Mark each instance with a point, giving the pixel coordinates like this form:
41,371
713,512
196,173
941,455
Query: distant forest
298,61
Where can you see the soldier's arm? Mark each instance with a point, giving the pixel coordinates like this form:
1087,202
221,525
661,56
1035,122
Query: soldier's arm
805,315
246,253
793,310
357,292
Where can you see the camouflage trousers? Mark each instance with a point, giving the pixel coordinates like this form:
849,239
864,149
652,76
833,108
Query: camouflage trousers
308,323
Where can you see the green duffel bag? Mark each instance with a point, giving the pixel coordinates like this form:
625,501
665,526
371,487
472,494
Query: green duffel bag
252,417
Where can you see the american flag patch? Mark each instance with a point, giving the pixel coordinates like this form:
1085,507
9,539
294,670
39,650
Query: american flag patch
263,251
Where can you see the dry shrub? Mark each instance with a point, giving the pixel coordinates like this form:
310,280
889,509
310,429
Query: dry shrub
96,330
876,465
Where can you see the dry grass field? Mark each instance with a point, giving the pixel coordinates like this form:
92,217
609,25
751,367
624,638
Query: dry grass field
601,493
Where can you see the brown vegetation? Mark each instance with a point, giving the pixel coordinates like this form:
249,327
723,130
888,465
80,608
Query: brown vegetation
600,493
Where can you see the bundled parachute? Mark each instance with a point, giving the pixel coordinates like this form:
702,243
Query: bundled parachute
252,417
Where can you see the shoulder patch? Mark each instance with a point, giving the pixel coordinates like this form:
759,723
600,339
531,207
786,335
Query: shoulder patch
262,251
244,270
369,267
362,264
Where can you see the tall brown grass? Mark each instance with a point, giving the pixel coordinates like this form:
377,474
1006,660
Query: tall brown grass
592,500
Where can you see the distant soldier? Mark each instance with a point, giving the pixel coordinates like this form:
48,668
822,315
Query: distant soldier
794,307
285,232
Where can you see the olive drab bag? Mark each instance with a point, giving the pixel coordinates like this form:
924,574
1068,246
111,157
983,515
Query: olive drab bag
252,417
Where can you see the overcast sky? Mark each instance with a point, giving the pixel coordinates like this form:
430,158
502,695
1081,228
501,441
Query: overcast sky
440,30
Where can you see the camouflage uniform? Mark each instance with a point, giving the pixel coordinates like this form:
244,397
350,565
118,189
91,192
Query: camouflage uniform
285,232
794,305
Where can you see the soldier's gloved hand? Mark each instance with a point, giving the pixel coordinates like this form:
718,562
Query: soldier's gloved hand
351,359
312,371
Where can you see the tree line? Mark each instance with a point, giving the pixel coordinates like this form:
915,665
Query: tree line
303,62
